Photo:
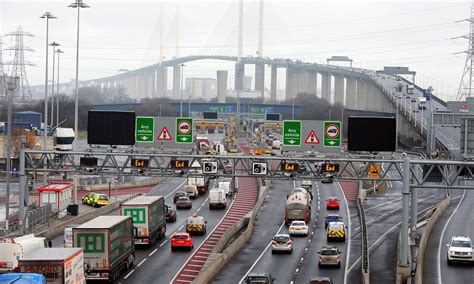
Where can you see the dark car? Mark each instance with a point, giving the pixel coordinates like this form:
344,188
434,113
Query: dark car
260,278
331,218
184,203
179,194
170,214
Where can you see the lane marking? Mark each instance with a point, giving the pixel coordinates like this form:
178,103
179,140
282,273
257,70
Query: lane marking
141,262
128,275
348,253
442,236
166,196
153,251
260,256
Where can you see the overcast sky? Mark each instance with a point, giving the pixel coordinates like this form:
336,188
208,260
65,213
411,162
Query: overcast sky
125,34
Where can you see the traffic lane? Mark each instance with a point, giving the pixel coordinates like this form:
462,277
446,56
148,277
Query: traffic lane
283,266
461,224
159,265
310,267
430,268
267,223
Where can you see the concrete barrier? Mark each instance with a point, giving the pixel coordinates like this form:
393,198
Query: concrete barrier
443,205
206,275
135,183
52,232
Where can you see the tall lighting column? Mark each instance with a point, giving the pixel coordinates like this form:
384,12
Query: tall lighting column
59,51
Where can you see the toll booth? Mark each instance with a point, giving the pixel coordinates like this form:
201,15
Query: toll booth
58,194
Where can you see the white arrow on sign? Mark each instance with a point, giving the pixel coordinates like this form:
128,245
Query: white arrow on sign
184,138
332,142
145,137
291,141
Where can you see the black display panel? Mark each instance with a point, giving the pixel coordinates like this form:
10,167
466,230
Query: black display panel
111,128
273,116
209,115
371,134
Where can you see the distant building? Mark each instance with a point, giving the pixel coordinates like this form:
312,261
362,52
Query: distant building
205,88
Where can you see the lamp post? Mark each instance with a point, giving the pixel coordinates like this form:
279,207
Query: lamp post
181,90
77,4
47,16
11,85
53,44
59,51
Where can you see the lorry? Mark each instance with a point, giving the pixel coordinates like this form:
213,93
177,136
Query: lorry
410,89
108,244
149,218
421,102
297,207
199,182
13,249
58,265
217,198
63,139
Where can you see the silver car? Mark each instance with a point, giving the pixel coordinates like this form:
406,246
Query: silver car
282,243
329,255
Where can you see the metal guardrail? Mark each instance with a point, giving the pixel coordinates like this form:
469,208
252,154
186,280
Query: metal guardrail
365,239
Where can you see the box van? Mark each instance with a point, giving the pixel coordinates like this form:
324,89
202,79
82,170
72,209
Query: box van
191,190
217,198
225,186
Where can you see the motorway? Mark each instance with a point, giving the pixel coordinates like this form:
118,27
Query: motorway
300,266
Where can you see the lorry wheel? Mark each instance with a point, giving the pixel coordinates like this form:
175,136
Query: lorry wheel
94,204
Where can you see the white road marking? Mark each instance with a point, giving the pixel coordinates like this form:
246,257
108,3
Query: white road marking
151,253
141,262
348,254
175,189
442,236
260,256
130,273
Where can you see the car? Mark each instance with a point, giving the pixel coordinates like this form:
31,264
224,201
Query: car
232,150
298,228
95,199
220,130
259,278
329,255
184,203
331,218
181,240
332,203
258,151
336,231
321,280
307,184
282,243
268,151
327,178
460,250
170,214
196,225
179,194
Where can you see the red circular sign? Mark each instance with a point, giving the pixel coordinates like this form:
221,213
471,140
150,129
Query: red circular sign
332,131
464,106
184,127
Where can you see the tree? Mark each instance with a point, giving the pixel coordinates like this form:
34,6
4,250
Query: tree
16,142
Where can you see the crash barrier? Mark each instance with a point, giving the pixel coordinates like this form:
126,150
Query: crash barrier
225,251
129,184
364,243
443,205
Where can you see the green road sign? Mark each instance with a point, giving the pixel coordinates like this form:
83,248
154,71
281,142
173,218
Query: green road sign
144,129
291,132
184,130
332,134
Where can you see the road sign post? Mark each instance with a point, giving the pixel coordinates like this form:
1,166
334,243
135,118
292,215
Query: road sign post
184,130
332,134
292,133
144,130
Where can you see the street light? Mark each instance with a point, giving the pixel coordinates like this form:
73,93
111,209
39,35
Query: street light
47,16
59,51
77,4
181,90
53,44
11,85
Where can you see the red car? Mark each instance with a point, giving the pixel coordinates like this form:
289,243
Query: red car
332,203
181,240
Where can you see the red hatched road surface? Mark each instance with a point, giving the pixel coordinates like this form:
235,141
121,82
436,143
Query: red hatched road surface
350,190
244,202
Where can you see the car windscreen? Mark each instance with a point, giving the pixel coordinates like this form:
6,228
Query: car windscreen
103,197
280,239
180,237
462,244
329,252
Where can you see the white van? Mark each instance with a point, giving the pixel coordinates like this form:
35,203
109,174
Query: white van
217,198
225,186
191,190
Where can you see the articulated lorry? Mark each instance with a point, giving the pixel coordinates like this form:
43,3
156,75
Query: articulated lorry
298,207
149,217
58,265
108,244
14,249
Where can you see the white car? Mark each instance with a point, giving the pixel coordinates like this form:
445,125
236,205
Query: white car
460,249
298,228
